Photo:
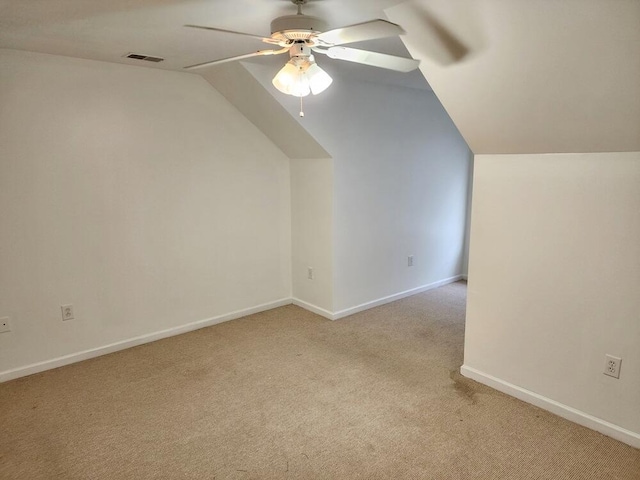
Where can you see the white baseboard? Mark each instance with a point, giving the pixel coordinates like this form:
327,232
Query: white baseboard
133,342
374,303
313,308
392,298
170,332
564,411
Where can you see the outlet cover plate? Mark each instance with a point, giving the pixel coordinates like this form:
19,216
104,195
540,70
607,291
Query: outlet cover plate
67,312
612,366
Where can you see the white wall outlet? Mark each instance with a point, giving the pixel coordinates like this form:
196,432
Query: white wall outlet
310,273
67,312
5,325
612,366
410,261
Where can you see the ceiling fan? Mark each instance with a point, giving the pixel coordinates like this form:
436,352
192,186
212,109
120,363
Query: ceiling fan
302,35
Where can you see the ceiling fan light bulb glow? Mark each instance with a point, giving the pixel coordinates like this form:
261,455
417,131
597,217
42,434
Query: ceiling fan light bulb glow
285,78
292,79
300,88
319,80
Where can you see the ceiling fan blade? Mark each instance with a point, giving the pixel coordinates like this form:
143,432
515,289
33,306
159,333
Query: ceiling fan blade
375,59
238,57
257,37
360,32
438,42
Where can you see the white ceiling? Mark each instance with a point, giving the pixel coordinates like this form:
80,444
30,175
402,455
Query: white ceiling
109,30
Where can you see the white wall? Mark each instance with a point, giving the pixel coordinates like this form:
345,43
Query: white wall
312,232
142,197
400,176
311,182
554,279
467,232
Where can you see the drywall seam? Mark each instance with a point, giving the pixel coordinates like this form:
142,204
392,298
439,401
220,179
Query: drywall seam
560,409
133,342
374,303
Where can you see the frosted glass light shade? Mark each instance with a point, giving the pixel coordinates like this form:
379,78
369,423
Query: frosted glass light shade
319,80
300,86
286,77
292,80
299,77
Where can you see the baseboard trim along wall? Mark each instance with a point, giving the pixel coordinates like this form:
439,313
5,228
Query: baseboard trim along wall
134,342
170,332
374,303
313,308
392,298
564,411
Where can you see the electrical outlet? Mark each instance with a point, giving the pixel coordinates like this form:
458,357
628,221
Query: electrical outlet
310,273
410,261
5,325
67,312
612,366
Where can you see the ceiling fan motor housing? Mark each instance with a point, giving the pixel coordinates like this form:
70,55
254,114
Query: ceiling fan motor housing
297,27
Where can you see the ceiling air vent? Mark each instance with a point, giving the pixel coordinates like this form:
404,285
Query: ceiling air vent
147,58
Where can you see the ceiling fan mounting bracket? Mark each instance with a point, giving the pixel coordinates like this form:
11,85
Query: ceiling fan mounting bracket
299,3
292,28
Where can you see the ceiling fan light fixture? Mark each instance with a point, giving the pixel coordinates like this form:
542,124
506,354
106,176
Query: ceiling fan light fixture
285,78
292,80
300,77
319,80
300,86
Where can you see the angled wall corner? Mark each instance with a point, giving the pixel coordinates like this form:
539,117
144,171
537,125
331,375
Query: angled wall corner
312,234
311,182
399,187
241,88
531,77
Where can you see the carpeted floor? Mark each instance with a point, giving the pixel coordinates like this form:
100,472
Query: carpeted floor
286,394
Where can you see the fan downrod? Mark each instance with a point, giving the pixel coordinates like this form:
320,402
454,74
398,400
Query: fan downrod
299,3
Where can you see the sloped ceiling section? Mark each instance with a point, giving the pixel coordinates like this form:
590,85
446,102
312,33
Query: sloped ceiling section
532,77
109,30
242,89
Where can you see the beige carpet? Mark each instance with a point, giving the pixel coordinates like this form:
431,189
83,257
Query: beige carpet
286,394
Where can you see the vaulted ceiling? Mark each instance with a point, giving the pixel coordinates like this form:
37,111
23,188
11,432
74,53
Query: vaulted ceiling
516,76
109,30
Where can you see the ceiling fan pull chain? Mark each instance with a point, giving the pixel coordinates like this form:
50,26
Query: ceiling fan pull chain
301,112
